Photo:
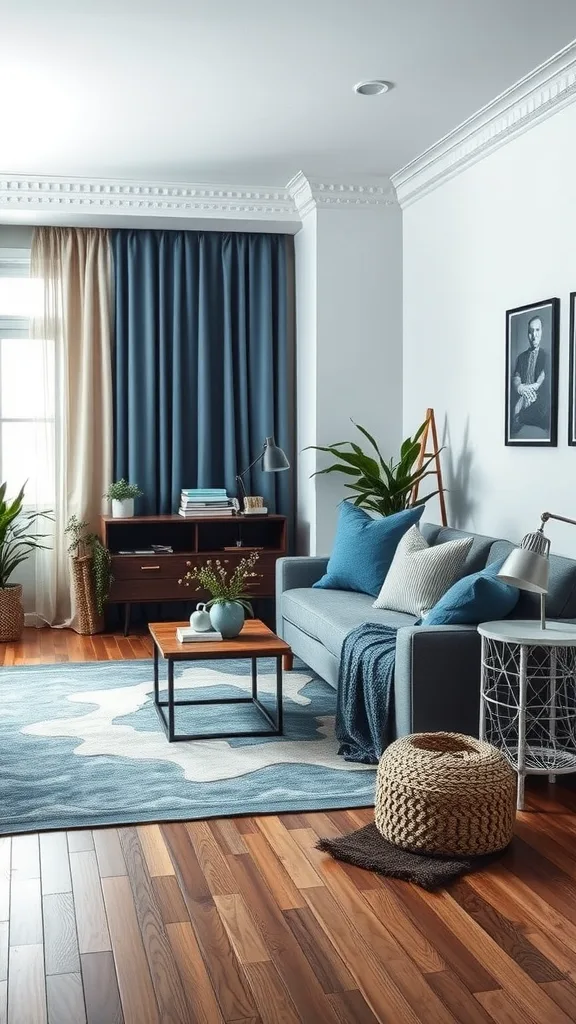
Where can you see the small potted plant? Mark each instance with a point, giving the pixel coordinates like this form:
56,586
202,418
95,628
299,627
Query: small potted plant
229,602
122,495
18,537
91,575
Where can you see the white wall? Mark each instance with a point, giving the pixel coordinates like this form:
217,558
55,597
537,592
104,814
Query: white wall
306,256
499,235
349,329
15,236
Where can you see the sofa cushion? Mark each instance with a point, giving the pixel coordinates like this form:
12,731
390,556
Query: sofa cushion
421,573
561,596
477,557
473,599
329,615
364,548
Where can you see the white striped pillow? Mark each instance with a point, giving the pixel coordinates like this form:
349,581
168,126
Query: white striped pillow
420,574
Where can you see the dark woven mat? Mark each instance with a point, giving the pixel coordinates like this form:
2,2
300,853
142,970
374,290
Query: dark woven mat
366,848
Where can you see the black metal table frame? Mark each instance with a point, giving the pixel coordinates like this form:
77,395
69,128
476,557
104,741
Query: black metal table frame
168,722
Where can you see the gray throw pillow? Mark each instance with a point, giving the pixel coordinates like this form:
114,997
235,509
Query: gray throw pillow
421,574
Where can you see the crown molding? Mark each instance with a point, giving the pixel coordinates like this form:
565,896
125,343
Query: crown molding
534,98
116,197
308,194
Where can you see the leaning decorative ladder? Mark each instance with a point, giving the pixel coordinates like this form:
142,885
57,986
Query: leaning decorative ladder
430,430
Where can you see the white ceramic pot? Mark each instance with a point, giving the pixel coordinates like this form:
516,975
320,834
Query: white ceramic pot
123,509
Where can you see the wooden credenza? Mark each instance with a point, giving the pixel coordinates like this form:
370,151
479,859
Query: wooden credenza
145,577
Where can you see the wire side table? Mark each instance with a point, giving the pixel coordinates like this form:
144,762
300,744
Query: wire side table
528,696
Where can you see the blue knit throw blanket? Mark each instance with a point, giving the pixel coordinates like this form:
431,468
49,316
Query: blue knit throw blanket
365,704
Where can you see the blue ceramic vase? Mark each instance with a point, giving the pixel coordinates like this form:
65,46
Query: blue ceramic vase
228,618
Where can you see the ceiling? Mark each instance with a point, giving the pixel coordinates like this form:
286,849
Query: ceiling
254,90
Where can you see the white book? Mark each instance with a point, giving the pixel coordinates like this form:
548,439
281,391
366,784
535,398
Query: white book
185,634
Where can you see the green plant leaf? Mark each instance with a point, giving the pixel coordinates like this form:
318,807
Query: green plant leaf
335,469
422,501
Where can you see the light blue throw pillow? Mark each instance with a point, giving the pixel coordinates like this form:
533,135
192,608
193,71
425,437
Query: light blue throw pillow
480,597
364,548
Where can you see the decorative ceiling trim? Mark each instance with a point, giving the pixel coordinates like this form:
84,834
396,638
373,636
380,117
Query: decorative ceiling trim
537,96
309,195
165,199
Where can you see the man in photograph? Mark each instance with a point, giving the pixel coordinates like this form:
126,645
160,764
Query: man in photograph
530,383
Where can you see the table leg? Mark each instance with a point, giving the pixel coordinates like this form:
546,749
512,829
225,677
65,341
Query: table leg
254,678
552,700
156,687
482,729
521,760
280,709
170,700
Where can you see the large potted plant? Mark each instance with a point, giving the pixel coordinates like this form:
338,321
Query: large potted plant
122,495
91,575
18,538
378,485
229,602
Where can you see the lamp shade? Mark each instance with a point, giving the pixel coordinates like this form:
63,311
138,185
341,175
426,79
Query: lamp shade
526,570
527,567
273,458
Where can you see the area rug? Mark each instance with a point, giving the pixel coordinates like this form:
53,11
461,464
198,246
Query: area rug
367,849
82,746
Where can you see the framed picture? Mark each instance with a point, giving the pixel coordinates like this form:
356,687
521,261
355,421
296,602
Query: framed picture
572,396
532,374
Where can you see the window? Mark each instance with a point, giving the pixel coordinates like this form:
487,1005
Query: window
27,377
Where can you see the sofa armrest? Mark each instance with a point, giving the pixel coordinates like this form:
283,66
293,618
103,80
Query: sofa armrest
295,571
298,571
437,679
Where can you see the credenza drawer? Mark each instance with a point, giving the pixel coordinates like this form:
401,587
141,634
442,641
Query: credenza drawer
149,567
155,577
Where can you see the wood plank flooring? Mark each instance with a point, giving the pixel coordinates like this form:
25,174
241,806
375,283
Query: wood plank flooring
243,920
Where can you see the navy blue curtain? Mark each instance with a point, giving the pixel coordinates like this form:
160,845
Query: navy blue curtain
203,362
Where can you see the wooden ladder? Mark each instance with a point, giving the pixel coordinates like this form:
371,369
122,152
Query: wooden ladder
430,429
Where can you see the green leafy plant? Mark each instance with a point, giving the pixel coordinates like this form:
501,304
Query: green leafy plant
223,586
122,490
380,486
18,533
86,544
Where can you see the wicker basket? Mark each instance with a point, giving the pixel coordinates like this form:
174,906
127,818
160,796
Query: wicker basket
86,619
444,793
11,613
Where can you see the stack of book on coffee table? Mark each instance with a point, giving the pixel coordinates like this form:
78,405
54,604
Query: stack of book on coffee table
186,634
205,501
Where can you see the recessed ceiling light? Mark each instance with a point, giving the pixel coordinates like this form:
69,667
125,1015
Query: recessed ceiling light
372,87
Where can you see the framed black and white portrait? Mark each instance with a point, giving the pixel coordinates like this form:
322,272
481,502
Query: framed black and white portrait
532,374
572,377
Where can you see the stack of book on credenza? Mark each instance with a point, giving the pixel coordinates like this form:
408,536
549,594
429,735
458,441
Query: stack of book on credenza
205,501
186,634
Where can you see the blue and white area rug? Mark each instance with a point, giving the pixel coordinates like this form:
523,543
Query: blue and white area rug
81,745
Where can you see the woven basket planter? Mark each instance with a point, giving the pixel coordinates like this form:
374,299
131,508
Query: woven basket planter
11,613
88,620
445,793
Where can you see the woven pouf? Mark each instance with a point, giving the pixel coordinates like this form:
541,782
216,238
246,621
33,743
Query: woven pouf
445,793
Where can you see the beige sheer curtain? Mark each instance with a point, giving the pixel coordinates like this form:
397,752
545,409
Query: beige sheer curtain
75,265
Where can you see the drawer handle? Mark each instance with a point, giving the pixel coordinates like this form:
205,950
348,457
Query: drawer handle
147,568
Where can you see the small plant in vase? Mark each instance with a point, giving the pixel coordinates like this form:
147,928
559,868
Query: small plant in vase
122,495
229,601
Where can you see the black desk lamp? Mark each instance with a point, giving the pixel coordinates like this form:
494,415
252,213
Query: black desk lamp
273,461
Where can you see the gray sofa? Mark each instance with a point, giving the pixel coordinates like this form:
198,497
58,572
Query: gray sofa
437,673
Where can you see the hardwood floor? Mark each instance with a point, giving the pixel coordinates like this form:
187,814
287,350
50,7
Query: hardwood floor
243,920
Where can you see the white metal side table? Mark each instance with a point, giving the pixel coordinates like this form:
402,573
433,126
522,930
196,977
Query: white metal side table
528,696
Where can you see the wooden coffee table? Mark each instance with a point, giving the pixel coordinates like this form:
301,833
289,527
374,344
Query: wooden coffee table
254,642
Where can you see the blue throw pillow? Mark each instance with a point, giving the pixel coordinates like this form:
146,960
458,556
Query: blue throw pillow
477,598
364,548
